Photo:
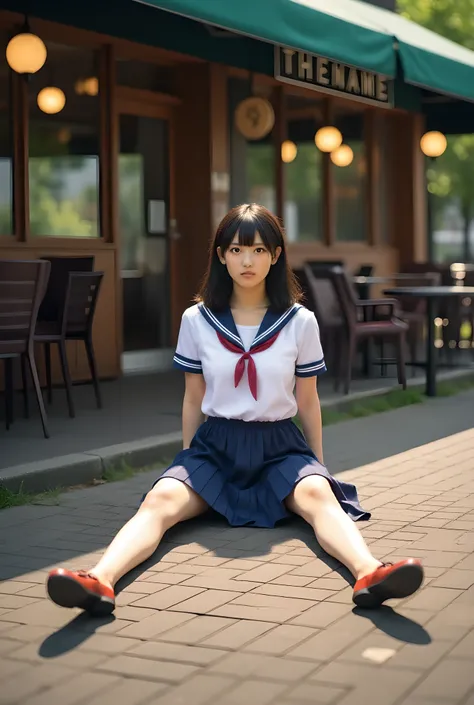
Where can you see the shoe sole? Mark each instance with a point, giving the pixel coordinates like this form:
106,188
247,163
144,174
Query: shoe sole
402,582
67,592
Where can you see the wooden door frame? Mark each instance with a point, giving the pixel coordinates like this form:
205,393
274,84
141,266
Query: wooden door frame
143,103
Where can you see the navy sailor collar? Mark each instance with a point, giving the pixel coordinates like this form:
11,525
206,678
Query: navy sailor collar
223,323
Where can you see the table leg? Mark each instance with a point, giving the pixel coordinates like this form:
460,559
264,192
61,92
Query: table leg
8,392
430,349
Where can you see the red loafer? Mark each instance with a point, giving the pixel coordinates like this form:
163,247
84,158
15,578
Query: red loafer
391,580
76,588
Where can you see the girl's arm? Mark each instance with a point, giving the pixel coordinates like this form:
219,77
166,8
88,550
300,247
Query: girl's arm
192,415
309,410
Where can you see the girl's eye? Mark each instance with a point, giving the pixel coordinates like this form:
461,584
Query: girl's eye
235,250
259,250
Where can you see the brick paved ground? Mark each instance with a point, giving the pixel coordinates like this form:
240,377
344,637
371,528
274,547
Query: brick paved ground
229,616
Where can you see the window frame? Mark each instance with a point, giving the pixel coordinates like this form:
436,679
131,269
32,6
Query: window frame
5,237
373,186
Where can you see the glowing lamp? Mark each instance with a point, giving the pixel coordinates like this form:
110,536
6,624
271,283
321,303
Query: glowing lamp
327,139
342,156
289,150
51,100
26,53
433,144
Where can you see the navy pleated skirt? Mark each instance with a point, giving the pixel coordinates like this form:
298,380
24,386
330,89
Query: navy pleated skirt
245,470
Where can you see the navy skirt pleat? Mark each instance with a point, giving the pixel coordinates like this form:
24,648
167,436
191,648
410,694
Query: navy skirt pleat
245,470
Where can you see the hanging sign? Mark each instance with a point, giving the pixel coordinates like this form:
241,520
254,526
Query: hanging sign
328,76
254,118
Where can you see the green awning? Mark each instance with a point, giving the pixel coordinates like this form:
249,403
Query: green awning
429,60
349,31
299,24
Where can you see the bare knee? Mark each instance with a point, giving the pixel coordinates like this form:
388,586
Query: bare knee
310,491
167,498
173,501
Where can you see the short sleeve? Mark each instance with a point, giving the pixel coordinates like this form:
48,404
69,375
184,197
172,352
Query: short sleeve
186,357
310,361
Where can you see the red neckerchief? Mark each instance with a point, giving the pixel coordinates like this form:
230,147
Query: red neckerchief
240,366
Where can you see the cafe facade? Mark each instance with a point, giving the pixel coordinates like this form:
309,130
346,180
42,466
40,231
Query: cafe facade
147,122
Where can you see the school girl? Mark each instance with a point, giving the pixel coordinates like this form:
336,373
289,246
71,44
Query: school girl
251,355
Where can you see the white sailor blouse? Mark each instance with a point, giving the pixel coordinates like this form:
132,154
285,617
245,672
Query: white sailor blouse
254,384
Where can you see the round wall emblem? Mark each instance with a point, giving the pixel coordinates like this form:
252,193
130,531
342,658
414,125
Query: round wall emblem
255,118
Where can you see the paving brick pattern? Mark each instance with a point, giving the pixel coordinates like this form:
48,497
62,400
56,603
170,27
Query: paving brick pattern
229,616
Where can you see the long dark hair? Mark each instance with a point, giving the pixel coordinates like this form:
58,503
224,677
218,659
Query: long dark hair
247,220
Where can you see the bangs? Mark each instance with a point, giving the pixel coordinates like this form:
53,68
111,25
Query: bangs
242,224
246,228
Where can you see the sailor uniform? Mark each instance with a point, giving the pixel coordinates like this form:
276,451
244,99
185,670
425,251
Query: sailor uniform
249,455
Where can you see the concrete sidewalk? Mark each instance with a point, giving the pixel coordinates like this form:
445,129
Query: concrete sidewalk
140,426
224,615
135,407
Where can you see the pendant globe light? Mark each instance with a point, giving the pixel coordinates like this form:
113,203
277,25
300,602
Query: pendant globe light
328,138
51,100
342,156
289,150
433,144
26,53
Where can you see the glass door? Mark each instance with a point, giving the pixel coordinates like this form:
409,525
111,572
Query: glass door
143,220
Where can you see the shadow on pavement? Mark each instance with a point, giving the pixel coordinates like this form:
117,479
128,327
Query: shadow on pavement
213,533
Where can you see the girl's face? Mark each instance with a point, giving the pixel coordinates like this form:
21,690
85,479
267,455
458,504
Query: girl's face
248,266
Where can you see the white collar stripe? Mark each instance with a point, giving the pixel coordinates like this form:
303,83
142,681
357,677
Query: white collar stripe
280,323
218,325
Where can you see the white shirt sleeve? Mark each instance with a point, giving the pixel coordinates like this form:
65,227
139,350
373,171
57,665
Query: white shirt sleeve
310,361
186,357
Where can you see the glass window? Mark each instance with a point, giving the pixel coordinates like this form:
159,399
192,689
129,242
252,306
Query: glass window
253,165
350,181
384,173
6,185
304,174
260,170
64,145
451,201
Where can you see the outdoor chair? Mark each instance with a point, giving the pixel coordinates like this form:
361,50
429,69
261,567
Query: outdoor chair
360,320
52,305
76,324
308,299
22,287
365,270
328,313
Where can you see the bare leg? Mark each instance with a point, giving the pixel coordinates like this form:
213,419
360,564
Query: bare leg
314,500
168,503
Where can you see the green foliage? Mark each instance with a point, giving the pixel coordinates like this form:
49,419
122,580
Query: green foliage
50,212
17,499
452,175
454,19
374,405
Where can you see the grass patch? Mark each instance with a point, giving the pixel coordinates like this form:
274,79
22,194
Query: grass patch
395,399
20,498
114,473
449,389
124,471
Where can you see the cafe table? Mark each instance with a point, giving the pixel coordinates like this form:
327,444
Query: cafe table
432,295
